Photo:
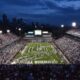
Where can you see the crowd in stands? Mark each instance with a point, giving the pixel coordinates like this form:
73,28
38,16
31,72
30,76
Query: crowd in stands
7,38
70,47
40,72
74,32
9,51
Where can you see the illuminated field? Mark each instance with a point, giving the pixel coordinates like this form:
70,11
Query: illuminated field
35,53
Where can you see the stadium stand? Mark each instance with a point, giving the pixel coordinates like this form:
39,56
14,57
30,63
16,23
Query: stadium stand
39,72
70,47
8,52
6,39
74,32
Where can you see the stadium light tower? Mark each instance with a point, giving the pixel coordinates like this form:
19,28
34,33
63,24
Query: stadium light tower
62,26
74,24
1,31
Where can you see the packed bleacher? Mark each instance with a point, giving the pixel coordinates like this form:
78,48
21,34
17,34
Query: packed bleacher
74,32
8,52
7,38
40,72
70,48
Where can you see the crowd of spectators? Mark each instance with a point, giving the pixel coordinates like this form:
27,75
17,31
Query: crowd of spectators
74,32
7,38
39,72
8,52
70,47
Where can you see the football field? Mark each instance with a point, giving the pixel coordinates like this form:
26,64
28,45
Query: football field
38,53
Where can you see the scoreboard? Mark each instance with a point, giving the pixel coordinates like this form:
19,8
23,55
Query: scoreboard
38,32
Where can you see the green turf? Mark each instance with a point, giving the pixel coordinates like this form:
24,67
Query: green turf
39,52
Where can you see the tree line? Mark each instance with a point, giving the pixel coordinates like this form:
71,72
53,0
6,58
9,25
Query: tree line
17,23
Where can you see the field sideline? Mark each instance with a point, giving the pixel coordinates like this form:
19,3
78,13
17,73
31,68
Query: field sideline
35,53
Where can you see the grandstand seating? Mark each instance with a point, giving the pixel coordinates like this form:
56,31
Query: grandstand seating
39,72
74,32
7,53
70,48
6,39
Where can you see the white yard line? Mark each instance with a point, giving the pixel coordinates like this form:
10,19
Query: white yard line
22,52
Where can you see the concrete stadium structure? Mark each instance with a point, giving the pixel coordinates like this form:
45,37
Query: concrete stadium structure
39,36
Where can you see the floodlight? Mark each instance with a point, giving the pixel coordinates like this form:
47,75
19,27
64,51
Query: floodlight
0,31
19,29
45,32
62,26
8,31
74,24
30,32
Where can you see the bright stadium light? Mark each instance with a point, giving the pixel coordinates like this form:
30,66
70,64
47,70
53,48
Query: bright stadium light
0,31
45,32
74,24
19,29
30,32
8,31
62,26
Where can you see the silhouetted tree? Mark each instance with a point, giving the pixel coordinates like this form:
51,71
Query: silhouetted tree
5,22
14,25
0,25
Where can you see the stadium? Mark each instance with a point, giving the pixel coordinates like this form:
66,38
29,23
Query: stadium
40,46
36,48
39,39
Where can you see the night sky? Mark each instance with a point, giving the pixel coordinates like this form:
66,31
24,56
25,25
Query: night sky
44,11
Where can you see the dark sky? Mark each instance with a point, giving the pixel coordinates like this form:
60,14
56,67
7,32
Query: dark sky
46,11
